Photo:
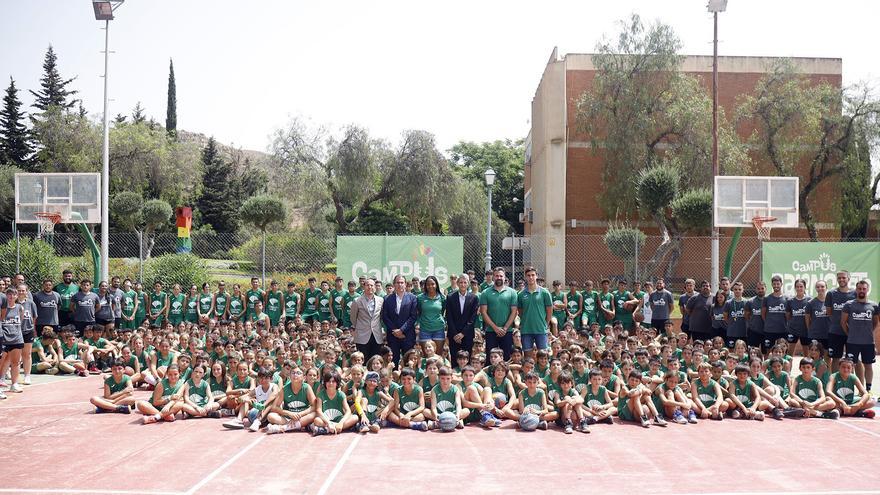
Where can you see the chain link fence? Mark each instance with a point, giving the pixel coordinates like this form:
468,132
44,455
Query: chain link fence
291,256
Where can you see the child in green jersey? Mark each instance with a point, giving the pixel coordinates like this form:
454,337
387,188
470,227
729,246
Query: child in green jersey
670,400
634,402
372,407
446,397
707,394
745,400
598,405
198,401
478,399
408,403
847,391
294,406
808,393
568,403
118,392
166,400
533,400
332,413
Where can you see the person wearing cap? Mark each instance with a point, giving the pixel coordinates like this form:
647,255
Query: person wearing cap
372,412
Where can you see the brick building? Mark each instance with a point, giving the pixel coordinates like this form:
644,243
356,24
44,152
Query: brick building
559,161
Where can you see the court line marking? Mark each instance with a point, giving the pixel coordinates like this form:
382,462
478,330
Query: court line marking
859,428
338,466
78,491
59,404
213,474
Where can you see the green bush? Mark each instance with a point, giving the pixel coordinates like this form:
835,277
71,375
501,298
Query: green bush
657,186
183,269
287,253
693,209
119,267
38,261
621,241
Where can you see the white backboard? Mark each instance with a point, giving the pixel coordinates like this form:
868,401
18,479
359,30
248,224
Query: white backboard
739,199
75,196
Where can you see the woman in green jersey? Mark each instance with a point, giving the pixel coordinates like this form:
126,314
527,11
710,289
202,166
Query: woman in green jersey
236,304
140,310
167,398
176,305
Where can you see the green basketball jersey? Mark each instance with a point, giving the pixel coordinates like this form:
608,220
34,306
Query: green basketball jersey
707,392
533,403
807,390
296,401
117,387
332,406
198,393
445,400
291,304
176,308
845,388
408,401
595,399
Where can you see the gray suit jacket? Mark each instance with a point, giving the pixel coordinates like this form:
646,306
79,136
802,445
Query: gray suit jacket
366,323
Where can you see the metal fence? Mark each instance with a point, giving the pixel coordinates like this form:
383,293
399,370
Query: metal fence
290,255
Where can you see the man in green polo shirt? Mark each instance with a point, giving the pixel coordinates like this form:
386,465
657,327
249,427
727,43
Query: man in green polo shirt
535,305
498,307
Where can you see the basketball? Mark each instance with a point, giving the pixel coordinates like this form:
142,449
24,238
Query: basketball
447,421
638,317
500,399
559,305
529,422
630,305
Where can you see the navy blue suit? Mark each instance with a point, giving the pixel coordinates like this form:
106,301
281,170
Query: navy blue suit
405,320
459,322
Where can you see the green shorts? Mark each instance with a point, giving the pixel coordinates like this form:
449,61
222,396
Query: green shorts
623,411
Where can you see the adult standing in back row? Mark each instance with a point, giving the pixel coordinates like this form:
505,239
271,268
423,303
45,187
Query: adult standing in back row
535,305
399,315
859,319
834,302
699,310
498,308
366,316
660,301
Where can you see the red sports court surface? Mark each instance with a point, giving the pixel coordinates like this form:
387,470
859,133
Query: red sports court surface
115,454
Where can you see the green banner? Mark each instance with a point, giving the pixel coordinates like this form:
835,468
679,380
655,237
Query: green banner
813,261
383,257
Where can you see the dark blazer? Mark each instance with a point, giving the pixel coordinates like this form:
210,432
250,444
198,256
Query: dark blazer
405,320
456,321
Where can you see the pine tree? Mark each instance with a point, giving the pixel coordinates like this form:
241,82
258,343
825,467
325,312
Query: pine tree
53,88
214,206
137,115
15,142
119,119
171,115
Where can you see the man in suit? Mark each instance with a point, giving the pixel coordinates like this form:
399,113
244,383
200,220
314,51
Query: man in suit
366,313
461,312
399,316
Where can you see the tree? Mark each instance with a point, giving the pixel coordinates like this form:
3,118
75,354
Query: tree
218,181
807,129
506,158
137,114
66,142
156,213
127,210
642,109
262,211
625,242
171,111
381,217
7,193
856,199
119,119
342,176
53,88
15,145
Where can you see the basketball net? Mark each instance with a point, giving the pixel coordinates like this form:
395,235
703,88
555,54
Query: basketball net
763,225
46,221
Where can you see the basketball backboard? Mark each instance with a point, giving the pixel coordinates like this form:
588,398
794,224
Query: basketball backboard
739,199
74,196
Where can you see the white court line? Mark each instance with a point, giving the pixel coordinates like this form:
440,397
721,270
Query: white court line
338,466
60,404
859,428
77,491
223,466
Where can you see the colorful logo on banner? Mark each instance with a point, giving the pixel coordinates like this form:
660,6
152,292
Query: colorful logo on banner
814,261
383,257
184,226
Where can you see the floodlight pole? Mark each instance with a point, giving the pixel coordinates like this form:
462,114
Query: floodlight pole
716,258
105,170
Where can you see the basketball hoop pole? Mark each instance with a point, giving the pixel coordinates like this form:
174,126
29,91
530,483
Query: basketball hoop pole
715,7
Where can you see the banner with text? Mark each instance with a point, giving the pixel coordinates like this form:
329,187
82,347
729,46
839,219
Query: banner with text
383,257
813,261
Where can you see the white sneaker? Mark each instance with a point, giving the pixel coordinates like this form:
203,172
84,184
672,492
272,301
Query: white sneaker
255,426
2,396
272,429
27,379
16,388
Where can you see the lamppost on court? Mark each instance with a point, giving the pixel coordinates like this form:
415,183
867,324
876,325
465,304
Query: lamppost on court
489,175
715,6
104,12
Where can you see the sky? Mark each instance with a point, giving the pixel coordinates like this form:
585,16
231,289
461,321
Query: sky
463,70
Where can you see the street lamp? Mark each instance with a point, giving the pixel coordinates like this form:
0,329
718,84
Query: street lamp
715,6
489,175
104,12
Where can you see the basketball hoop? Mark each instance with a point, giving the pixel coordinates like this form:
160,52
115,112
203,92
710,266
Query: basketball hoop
46,221
763,226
